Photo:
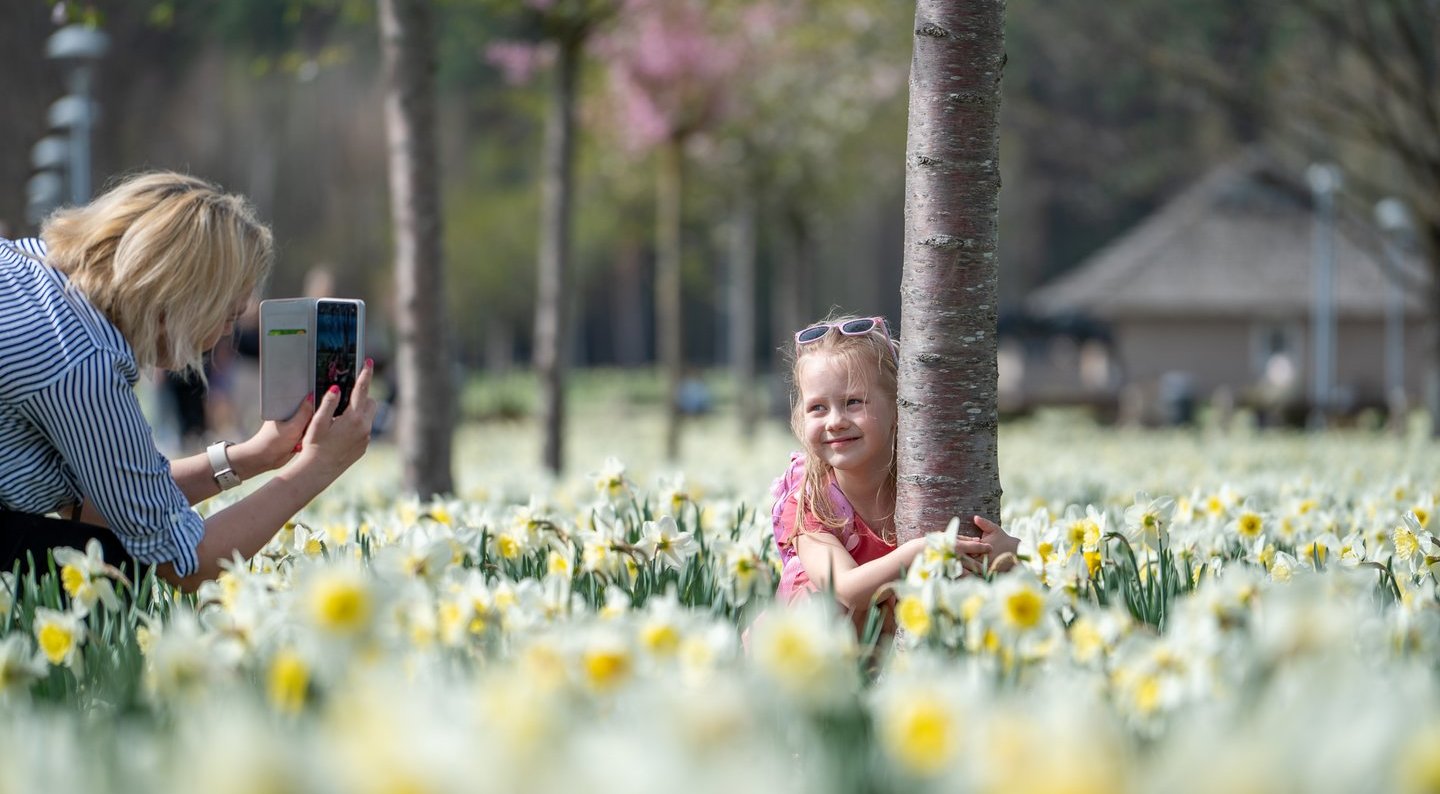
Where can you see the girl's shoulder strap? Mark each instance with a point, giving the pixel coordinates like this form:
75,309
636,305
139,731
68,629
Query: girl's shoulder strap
790,486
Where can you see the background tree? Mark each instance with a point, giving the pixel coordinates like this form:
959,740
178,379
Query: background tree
564,27
669,71
947,449
426,383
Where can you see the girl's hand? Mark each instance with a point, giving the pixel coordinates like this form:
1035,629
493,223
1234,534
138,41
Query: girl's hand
973,554
274,444
1003,546
333,442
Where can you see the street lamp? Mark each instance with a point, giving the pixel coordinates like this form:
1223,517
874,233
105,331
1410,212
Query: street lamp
77,48
1324,180
1394,221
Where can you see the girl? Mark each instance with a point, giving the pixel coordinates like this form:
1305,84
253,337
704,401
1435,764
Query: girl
834,512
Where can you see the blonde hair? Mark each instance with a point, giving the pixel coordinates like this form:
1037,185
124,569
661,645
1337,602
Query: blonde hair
872,351
165,257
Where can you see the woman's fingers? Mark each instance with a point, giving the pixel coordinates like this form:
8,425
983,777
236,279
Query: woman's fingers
325,411
361,392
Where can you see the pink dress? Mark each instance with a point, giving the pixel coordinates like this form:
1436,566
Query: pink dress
862,543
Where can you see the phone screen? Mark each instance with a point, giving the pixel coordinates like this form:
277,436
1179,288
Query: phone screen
337,333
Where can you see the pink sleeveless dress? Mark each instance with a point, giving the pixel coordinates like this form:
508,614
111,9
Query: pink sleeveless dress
862,542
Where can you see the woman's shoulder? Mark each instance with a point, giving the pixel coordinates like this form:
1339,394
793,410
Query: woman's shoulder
46,323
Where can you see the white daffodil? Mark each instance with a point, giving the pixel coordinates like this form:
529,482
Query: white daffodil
20,665
610,481
60,636
663,542
1147,520
86,577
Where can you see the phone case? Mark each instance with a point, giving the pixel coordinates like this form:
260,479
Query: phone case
287,355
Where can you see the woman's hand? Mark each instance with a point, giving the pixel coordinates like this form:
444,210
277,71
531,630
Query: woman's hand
274,444
1002,546
332,442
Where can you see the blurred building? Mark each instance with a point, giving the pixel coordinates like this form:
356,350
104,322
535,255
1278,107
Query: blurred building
1212,295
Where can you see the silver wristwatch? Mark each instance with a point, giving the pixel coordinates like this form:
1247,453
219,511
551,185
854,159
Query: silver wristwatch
225,476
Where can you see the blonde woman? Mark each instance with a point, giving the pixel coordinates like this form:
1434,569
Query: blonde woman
151,274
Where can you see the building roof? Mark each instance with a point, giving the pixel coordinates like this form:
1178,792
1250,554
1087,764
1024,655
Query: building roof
1237,243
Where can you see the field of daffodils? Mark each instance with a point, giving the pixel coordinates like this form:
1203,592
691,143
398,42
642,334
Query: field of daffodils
1194,611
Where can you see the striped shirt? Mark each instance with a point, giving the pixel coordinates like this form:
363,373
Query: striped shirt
70,423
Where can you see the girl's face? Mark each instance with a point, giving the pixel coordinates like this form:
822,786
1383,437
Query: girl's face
848,421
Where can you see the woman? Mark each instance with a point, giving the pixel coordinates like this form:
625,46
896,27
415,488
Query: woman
151,274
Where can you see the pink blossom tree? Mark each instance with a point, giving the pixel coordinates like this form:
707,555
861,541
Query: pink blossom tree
670,69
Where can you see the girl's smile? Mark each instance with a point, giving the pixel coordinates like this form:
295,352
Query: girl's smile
847,419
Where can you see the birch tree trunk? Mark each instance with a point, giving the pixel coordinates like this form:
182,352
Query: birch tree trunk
669,330
947,449
551,336
426,390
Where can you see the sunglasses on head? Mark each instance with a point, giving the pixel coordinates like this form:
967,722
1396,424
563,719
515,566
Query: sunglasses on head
859,327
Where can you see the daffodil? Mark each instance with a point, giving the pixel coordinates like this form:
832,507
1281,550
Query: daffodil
921,731
60,635
662,541
288,682
339,602
610,481
85,577
20,666
1147,520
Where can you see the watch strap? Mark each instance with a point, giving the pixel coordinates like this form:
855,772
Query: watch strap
225,476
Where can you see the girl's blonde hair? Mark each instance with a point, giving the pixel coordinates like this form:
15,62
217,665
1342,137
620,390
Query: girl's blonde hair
872,351
165,257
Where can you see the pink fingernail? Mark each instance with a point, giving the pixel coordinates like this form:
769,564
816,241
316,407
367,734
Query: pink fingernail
369,362
334,389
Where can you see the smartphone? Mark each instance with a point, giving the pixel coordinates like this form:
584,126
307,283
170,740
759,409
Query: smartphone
307,345
339,346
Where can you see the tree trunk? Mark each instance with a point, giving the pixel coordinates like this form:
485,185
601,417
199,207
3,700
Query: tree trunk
947,450
668,328
423,364
628,303
793,279
742,309
551,309
1430,385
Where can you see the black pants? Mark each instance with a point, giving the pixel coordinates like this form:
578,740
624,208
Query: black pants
25,537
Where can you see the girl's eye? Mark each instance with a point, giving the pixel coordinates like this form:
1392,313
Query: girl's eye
855,401
817,408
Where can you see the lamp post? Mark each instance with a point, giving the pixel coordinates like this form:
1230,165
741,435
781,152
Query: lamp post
1394,222
77,48
1324,180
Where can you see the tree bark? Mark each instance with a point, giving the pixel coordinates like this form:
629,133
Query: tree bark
423,363
947,449
668,327
1430,383
551,337
742,309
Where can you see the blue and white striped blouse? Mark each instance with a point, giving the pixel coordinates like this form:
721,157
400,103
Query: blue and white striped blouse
70,422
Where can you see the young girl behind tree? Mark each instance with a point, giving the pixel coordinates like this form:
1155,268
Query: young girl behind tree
834,514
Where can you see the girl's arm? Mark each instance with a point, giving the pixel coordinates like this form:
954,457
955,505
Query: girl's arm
827,562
